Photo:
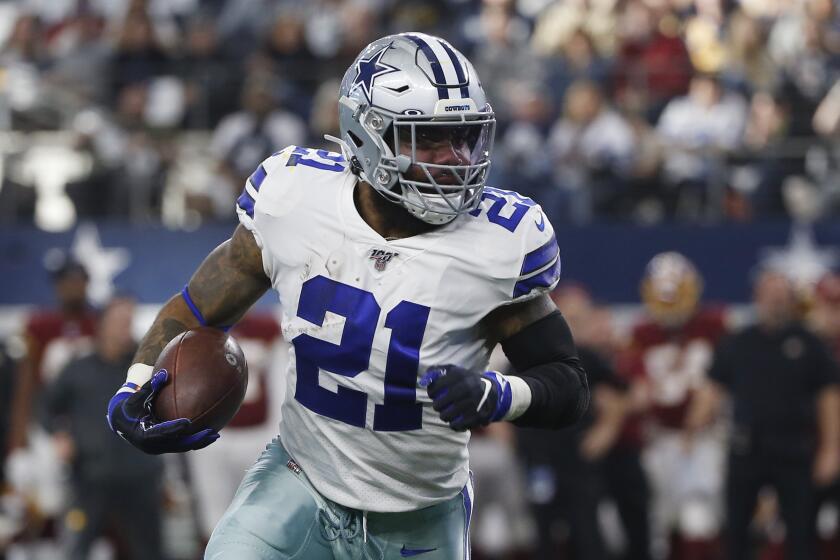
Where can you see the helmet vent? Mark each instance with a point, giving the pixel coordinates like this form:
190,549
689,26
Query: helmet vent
356,140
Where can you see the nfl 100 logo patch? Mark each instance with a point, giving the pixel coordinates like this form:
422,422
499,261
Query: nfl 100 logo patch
381,258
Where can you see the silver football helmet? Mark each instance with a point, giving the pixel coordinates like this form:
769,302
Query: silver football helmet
413,94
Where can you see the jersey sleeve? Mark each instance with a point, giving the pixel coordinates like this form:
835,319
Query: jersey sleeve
255,195
247,202
538,268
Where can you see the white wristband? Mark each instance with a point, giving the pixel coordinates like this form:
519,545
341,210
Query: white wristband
520,397
138,375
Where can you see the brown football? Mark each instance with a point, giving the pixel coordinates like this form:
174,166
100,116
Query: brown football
208,376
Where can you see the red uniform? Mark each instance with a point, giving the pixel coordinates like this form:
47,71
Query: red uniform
673,362
55,339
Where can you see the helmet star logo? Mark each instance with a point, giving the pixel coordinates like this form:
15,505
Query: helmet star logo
368,69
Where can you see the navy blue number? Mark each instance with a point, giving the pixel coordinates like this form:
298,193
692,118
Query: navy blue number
407,322
303,156
494,212
351,356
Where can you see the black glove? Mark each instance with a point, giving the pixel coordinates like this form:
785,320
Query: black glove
467,399
130,417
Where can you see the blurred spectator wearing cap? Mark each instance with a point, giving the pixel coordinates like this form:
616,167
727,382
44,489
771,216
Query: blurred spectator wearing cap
53,337
101,466
669,352
699,130
785,392
568,479
245,138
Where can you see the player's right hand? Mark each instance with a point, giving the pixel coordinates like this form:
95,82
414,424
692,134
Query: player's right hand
130,417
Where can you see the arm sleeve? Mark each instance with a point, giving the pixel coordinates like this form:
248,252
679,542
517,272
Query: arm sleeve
544,356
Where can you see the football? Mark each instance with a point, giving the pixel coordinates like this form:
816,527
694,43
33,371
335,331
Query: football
208,376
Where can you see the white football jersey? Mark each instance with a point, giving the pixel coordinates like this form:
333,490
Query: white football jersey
368,316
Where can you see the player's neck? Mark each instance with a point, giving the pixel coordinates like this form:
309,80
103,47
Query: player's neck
386,218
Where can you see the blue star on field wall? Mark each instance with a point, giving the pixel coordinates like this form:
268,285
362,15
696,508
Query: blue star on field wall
368,69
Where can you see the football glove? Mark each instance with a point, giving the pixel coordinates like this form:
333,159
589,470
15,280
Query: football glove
130,417
467,399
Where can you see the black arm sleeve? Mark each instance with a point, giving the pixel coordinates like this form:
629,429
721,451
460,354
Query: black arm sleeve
544,355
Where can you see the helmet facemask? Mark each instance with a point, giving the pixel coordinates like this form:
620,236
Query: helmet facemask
435,193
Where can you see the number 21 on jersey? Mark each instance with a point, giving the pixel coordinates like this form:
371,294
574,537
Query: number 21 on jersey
407,322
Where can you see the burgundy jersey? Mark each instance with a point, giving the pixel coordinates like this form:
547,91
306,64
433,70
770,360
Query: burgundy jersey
673,362
55,339
256,333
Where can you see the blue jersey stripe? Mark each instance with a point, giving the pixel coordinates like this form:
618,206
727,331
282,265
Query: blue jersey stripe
542,280
459,70
443,93
246,202
540,257
514,194
257,177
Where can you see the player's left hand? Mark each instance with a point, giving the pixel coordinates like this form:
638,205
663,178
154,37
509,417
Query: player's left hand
467,399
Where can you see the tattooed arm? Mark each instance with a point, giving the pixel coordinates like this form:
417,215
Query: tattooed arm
229,281
225,285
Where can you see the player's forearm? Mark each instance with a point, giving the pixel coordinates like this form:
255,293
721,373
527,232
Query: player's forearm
545,358
828,417
173,319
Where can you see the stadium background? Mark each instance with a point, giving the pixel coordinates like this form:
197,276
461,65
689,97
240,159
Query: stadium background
707,127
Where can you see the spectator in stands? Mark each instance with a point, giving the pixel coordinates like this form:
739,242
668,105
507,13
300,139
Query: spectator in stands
576,60
783,383
290,55
244,138
129,162
210,76
519,150
24,58
760,170
699,130
651,59
501,55
748,66
102,466
592,150
79,61
138,56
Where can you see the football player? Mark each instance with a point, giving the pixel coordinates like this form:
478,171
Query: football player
670,353
398,272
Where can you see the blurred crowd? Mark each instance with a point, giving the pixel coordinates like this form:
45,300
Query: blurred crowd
611,110
713,433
